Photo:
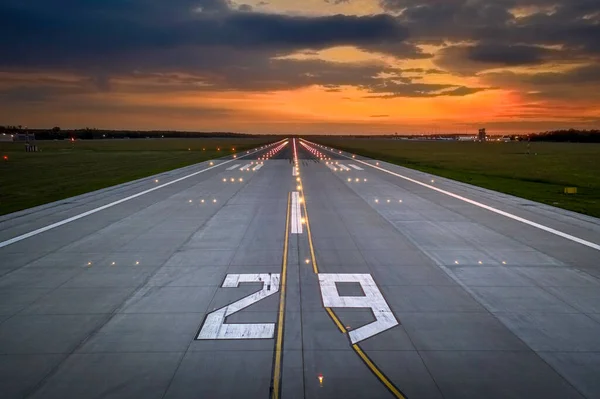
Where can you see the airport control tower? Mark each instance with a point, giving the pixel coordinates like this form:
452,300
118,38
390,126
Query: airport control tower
482,135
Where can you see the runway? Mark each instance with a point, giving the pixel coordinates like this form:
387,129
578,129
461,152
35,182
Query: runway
299,271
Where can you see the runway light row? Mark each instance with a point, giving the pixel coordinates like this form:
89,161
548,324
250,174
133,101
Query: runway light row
203,201
272,152
113,263
233,179
357,180
316,153
387,201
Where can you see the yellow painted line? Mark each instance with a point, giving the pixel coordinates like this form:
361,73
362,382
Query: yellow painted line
388,384
337,321
395,391
280,318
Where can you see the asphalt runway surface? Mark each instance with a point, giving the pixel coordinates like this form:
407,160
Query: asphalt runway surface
298,271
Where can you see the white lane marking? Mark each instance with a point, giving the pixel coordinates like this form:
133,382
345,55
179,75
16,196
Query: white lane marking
355,167
296,213
103,207
294,171
489,208
344,167
245,167
384,318
332,167
257,167
233,166
214,326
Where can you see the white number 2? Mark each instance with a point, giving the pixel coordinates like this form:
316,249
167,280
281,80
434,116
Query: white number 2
214,326
372,299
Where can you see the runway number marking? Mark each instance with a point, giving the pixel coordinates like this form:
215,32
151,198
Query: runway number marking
214,326
372,299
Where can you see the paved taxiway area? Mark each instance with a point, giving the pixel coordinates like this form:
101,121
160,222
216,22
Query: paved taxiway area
250,279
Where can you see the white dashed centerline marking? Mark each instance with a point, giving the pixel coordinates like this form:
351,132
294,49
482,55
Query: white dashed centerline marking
233,167
487,207
257,167
296,213
355,167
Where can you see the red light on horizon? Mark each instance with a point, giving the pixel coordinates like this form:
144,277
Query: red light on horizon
5,157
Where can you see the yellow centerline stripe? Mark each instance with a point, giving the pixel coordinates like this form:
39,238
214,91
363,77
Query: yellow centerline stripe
388,384
378,373
280,317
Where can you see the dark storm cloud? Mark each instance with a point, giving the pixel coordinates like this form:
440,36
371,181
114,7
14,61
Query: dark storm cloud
501,36
77,35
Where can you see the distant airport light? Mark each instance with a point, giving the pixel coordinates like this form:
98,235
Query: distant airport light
433,181
224,179
306,261
364,179
349,179
376,201
113,263
211,164
388,201
303,221
456,262
89,263
504,262
232,179
241,179
202,201
480,262
400,201
298,187
320,379
5,157
137,262
357,179
190,201
214,201
155,180
189,149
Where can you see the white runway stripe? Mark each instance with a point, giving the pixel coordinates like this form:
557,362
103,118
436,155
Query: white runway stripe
332,167
296,213
257,167
344,167
233,167
294,171
245,167
355,167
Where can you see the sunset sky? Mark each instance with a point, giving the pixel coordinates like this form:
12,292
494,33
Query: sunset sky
301,66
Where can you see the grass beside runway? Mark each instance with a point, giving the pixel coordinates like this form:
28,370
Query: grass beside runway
63,169
506,167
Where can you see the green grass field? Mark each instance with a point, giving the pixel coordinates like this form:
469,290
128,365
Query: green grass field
505,167
63,169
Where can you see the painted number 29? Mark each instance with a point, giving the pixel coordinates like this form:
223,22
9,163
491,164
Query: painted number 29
214,326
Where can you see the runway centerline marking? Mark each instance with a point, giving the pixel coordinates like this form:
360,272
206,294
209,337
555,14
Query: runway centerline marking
296,213
106,206
481,205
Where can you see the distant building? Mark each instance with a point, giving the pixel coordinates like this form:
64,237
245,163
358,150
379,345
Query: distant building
482,135
24,137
